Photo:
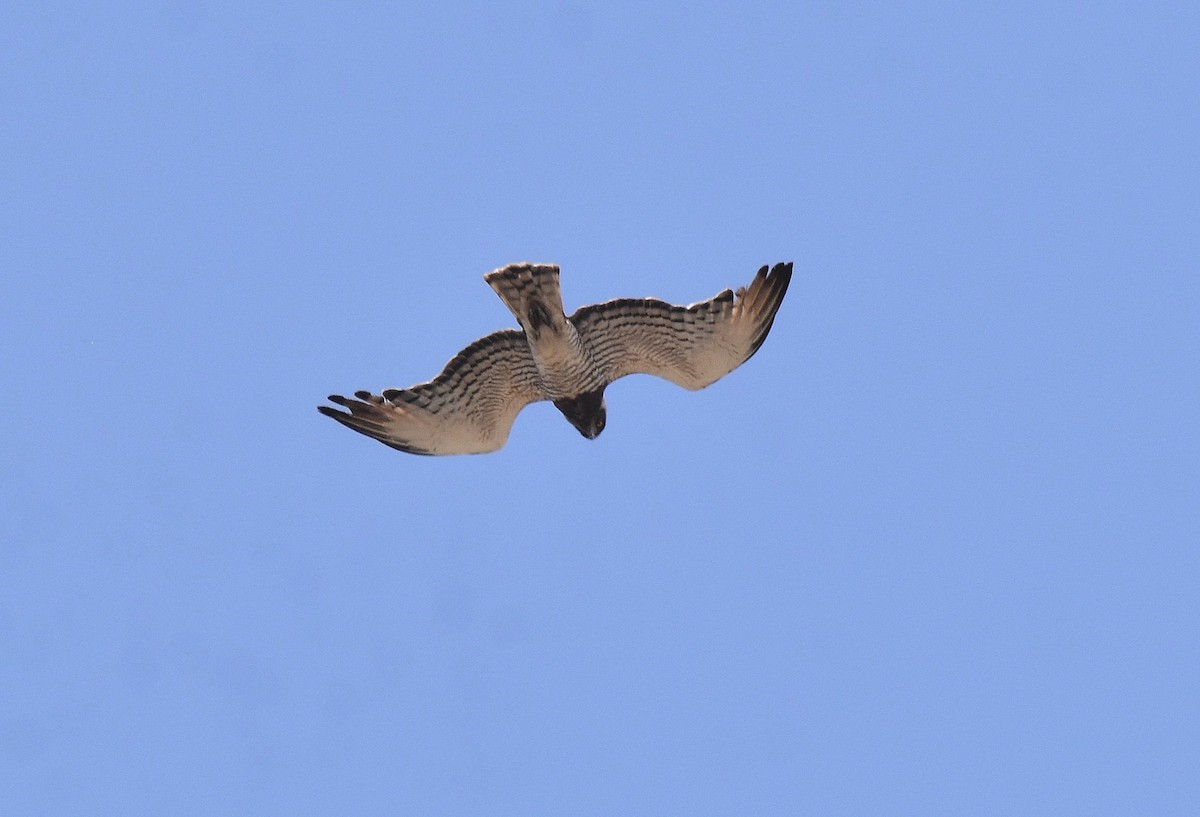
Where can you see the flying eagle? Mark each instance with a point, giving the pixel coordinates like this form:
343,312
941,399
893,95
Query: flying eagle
470,407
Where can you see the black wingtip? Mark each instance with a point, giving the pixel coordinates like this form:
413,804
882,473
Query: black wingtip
776,287
343,417
782,273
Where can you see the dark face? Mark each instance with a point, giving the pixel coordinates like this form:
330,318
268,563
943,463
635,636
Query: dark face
586,412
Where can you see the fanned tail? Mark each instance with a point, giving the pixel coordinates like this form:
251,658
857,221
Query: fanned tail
532,294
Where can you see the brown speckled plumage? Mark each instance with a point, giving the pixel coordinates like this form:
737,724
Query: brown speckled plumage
470,407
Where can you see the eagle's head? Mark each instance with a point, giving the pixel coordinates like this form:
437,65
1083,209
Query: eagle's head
586,412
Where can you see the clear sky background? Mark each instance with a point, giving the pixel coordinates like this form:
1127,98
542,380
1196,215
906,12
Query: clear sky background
934,550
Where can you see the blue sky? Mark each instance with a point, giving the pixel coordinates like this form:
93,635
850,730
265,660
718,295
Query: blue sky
933,551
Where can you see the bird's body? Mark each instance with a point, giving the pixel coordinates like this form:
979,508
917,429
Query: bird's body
564,362
470,407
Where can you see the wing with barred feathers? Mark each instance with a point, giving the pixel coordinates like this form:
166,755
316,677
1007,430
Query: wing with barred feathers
692,346
467,409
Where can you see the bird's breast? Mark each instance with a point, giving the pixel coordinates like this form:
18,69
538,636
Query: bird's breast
565,366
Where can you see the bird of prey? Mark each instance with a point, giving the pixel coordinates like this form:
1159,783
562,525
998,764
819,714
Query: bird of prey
470,407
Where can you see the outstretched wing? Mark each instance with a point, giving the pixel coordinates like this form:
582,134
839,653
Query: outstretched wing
692,346
467,409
